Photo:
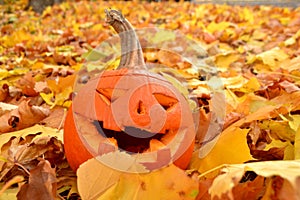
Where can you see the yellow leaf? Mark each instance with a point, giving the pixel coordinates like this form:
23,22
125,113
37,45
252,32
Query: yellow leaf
48,98
232,174
247,14
230,148
45,131
223,61
3,74
297,144
14,180
259,35
292,40
167,183
287,146
62,97
234,82
163,36
288,170
10,194
213,26
272,57
280,105
16,37
94,178
293,120
280,128
251,86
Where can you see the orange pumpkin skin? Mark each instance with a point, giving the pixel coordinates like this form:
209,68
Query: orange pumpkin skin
183,161
75,151
89,104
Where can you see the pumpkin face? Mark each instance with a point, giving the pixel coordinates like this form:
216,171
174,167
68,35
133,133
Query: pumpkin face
129,119
140,111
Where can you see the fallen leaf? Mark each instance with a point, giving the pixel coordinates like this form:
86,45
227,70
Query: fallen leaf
229,148
42,183
55,119
272,57
4,92
37,130
146,186
22,117
94,178
232,174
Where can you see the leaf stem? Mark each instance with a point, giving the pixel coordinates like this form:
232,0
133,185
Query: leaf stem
19,165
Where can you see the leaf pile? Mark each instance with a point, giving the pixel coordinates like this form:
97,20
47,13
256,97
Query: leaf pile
251,151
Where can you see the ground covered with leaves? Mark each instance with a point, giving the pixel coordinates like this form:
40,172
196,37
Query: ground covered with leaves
255,52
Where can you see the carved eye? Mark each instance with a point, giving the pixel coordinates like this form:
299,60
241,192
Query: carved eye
166,102
141,109
105,95
110,95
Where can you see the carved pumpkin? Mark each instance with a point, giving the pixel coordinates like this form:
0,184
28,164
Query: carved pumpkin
133,110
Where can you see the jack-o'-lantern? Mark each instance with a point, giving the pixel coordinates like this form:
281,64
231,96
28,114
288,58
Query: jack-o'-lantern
133,110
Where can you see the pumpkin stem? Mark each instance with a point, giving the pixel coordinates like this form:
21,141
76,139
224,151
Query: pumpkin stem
131,51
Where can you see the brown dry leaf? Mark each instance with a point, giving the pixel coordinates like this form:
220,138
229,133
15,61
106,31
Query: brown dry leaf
27,154
55,119
4,92
6,107
26,146
27,84
204,185
24,116
251,189
42,183
289,87
168,58
40,147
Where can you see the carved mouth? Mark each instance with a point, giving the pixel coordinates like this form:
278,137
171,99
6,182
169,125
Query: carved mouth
132,140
